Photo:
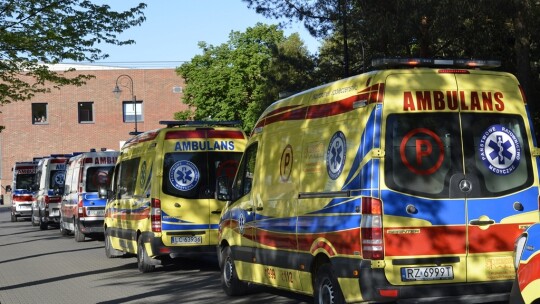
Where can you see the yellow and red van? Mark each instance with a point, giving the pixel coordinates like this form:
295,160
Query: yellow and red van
410,181
162,203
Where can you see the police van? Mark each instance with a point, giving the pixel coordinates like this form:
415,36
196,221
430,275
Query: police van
82,210
21,195
162,201
48,186
412,180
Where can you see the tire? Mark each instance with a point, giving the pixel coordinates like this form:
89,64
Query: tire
32,219
110,252
79,236
230,282
515,294
326,287
43,225
63,230
143,260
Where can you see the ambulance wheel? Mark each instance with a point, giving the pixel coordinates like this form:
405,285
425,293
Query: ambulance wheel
110,252
515,294
230,282
33,219
143,260
63,230
42,225
326,287
79,236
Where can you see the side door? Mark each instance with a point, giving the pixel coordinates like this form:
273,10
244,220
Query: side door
243,214
275,210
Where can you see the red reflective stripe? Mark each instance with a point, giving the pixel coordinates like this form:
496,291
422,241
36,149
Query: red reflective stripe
185,134
59,160
225,134
527,273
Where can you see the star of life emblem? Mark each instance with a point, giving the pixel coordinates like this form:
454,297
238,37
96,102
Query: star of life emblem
184,175
500,150
335,155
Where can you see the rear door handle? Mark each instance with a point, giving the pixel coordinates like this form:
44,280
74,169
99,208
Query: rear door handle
482,222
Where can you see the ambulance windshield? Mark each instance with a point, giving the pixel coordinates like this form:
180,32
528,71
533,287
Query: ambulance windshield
193,175
428,154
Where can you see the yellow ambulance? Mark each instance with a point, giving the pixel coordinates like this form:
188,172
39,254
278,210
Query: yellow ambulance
162,203
407,183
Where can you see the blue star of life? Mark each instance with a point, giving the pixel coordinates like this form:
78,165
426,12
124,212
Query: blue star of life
184,175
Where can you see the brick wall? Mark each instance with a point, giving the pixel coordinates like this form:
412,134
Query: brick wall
22,140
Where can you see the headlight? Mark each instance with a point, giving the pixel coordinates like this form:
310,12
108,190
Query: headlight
518,249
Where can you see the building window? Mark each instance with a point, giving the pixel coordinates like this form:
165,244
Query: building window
86,112
39,113
131,109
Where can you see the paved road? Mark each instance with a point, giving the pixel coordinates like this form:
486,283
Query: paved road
45,267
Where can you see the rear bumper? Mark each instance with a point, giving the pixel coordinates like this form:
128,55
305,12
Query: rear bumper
91,225
159,249
374,284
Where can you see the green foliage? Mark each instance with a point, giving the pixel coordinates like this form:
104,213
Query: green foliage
238,79
37,33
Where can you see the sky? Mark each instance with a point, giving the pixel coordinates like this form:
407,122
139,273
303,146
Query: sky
173,29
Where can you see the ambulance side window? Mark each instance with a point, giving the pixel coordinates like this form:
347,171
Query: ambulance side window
244,179
128,177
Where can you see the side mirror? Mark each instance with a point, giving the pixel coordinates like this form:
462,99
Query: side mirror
223,191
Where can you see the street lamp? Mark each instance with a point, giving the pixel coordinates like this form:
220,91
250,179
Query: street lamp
127,82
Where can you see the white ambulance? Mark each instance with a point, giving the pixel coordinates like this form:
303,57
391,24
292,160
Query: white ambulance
408,183
82,210
21,195
48,186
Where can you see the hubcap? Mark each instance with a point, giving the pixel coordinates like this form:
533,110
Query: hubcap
326,294
227,272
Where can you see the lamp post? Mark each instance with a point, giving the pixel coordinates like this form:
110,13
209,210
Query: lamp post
127,83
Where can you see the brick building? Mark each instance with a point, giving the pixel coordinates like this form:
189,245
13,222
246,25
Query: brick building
91,116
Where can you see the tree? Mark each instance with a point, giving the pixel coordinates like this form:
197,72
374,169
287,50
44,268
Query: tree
37,33
238,79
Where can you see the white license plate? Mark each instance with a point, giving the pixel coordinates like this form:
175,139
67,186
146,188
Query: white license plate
186,240
427,273
98,212
54,212
25,207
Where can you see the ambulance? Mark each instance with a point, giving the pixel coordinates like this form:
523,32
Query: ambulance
82,210
21,195
162,202
407,183
526,288
48,187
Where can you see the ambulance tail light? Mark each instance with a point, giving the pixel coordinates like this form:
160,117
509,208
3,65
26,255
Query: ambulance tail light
155,214
22,198
371,229
51,199
47,200
80,209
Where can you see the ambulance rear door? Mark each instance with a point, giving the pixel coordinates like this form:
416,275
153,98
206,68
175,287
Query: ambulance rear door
192,159
500,181
459,176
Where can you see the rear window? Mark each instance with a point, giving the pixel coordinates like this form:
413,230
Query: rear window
98,176
57,179
23,181
426,154
193,175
